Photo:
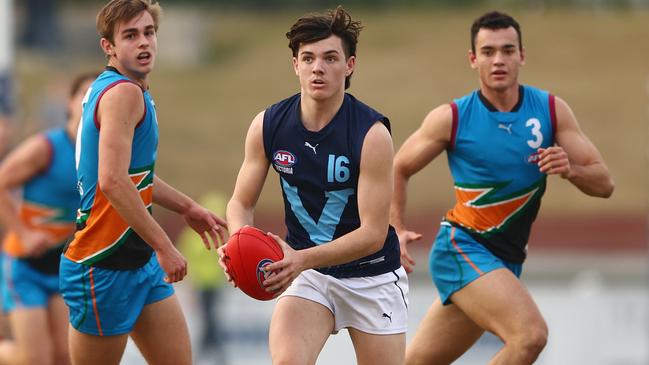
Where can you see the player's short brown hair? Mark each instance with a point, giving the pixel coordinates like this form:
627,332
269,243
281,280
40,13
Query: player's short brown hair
316,27
117,11
495,20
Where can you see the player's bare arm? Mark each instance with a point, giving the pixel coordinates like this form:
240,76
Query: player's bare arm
423,146
250,181
374,192
575,157
202,221
22,164
119,111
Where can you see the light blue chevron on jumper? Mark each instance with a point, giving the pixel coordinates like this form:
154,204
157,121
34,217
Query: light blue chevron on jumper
322,231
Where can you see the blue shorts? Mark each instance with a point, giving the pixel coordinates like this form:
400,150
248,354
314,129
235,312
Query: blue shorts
106,302
25,287
457,259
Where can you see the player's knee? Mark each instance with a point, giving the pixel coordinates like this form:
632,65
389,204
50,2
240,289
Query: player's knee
533,340
538,339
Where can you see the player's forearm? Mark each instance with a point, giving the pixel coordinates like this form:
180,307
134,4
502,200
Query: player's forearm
593,179
398,204
124,197
238,215
357,244
168,197
9,213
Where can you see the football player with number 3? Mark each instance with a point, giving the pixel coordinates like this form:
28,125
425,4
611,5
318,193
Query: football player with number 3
333,154
502,142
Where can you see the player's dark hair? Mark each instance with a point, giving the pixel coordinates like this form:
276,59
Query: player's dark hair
495,20
76,84
80,79
118,11
316,27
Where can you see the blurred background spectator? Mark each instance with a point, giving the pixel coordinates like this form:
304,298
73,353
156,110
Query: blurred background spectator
207,280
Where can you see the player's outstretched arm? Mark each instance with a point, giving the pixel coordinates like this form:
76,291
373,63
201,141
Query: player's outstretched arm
250,181
575,157
374,194
417,151
207,224
119,111
28,160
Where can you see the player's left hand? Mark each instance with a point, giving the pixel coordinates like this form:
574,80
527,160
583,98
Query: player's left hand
206,223
283,272
554,161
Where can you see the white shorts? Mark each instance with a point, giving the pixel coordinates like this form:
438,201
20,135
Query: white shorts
372,304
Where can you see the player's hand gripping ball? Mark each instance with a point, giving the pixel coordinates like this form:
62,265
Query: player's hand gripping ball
247,252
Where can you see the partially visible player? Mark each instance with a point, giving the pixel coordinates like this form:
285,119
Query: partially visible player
7,91
333,155
502,142
6,111
38,227
7,106
116,274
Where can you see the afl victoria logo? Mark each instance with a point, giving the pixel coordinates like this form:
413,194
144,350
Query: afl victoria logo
284,158
261,274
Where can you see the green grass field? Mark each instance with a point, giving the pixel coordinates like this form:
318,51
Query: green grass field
408,63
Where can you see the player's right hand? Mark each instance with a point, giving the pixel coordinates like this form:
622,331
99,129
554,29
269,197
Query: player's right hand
406,237
173,263
35,243
222,257
554,161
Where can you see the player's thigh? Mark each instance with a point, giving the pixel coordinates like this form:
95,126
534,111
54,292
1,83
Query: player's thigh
443,335
30,331
96,350
378,349
161,333
58,320
499,302
299,329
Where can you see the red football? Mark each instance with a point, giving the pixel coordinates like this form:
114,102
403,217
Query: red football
247,252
